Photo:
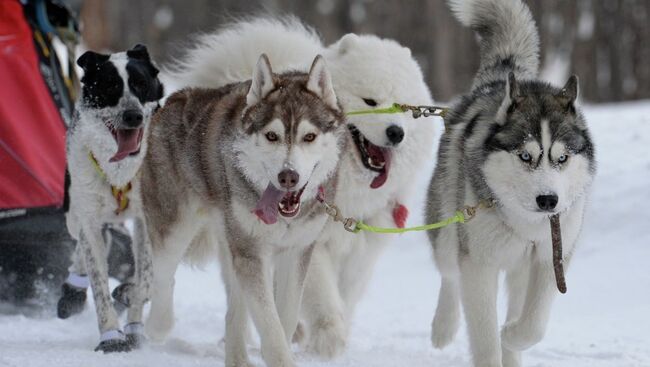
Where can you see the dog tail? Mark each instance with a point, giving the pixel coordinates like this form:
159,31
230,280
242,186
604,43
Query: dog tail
229,54
509,41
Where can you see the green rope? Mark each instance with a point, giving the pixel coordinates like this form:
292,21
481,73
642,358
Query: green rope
459,217
395,108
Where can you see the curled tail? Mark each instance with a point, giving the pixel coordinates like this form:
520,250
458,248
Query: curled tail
508,37
229,54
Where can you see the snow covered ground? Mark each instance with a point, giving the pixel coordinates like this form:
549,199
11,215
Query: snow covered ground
603,320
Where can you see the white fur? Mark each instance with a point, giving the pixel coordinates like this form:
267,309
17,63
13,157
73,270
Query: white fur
515,238
92,204
361,67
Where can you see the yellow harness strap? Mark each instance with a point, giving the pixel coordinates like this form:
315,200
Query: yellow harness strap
119,193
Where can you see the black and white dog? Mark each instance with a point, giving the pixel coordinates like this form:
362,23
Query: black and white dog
106,145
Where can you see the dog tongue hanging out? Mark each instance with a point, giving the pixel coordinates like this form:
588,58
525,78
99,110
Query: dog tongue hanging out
106,147
379,169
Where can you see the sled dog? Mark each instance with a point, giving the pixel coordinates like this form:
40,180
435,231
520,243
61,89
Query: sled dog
241,166
523,145
378,170
106,146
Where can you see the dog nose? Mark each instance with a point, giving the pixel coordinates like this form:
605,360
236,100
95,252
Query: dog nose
288,178
395,134
132,118
547,202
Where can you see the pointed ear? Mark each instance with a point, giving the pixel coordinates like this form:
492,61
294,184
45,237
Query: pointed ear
320,82
347,42
569,92
139,52
262,83
91,59
510,100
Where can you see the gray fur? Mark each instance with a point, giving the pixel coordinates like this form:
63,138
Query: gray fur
506,115
199,186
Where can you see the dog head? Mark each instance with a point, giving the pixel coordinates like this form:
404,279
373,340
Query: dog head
119,93
541,157
291,139
373,73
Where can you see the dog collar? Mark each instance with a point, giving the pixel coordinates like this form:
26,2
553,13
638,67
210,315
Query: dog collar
119,193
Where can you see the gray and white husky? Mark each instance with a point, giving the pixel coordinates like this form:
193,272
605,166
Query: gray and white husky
523,144
105,149
242,166
378,170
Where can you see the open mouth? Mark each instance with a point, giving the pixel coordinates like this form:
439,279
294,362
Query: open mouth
289,206
373,157
128,142
274,201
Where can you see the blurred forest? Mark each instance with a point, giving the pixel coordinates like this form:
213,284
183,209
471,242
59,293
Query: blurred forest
605,42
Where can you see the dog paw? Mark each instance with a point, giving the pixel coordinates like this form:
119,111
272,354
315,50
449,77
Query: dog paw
443,331
123,294
159,328
134,335
113,346
72,301
327,339
517,336
299,334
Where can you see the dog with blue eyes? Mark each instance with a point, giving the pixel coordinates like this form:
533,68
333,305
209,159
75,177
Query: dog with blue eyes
106,145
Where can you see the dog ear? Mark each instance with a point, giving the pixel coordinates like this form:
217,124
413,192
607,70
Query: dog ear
511,98
320,82
569,93
262,83
139,52
347,42
90,59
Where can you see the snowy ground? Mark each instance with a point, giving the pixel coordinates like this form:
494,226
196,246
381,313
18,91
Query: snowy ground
602,321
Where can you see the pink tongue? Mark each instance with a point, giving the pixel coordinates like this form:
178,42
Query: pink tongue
380,180
267,206
128,141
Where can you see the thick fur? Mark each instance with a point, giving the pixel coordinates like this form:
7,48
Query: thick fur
513,139
214,152
365,69
106,95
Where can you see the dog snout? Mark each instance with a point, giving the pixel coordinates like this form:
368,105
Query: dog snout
547,202
288,178
395,134
132,119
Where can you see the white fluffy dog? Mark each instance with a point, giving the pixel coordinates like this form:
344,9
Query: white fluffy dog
385,151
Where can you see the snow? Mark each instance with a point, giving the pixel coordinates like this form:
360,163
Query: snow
603,320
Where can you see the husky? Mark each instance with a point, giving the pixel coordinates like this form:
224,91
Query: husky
378,170
523,145
244,165
106,146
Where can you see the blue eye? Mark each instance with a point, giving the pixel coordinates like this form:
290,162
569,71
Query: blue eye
525,156
563,158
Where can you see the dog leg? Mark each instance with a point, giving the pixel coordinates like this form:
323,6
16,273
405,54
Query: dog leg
254,277
143,277
323,306
236,315
517,283
73,297
479,285
166,259
291,270
94,251
447,318
530,328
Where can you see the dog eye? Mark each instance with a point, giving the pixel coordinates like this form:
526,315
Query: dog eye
563,158
271,136
370,102
525,156
309,137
